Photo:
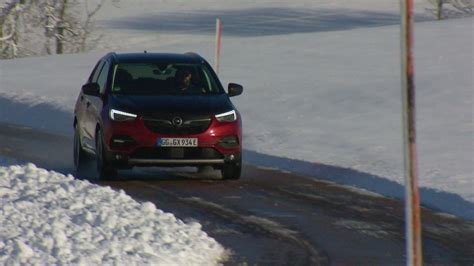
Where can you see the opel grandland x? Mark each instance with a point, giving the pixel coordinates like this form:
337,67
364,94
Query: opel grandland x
152,109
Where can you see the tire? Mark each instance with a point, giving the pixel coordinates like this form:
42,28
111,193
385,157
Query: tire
231,171
79,154
104,170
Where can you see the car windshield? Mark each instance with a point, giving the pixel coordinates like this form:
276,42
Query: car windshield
163,78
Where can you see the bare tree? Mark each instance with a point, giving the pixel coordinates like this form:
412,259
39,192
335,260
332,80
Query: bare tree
49,26
439,8
452,8
9,27
464,6
88,25
61,23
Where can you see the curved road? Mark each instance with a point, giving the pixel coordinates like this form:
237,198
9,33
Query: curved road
268,217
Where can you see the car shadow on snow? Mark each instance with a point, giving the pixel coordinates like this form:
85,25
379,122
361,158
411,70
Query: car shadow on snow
258,21
148,174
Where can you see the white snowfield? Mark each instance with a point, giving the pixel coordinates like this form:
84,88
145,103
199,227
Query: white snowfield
47,218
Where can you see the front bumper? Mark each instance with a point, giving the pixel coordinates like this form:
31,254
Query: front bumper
228,158
176,161
131,144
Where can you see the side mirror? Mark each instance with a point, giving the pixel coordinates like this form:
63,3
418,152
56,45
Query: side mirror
234,89
91,89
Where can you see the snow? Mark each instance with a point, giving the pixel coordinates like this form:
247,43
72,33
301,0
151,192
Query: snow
364,228
334,99
50,218
322,98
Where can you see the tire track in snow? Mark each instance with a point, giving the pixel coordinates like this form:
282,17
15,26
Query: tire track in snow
258,224
378,213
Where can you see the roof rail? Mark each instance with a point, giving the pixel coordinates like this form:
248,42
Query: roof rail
111,54
193,54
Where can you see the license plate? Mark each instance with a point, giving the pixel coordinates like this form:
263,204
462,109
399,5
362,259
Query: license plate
177,142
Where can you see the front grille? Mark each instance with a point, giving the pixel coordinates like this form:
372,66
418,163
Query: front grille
167,125
176,153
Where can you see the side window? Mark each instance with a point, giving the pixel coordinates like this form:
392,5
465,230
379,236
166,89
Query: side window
102,79
95,73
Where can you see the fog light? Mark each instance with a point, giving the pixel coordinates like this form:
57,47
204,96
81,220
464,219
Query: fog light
229,158
229,142
118,142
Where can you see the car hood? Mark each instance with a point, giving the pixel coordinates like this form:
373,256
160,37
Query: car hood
172,104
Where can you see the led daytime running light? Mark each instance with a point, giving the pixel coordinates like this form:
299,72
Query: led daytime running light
114,112
224,116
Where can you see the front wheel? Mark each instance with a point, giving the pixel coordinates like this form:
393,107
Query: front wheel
79,154
104,170
231,171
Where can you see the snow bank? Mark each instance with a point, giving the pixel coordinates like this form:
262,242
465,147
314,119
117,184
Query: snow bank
49,218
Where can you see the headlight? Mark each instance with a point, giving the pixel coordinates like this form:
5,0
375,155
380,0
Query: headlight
230,116
120,116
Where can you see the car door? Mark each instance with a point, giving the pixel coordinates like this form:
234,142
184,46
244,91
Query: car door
82,108
94,103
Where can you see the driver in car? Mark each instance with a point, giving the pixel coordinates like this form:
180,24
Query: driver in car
184,78
187,84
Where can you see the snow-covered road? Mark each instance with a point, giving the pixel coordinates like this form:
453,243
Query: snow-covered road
267,217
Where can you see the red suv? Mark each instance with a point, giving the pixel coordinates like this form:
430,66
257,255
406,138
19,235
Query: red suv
150,109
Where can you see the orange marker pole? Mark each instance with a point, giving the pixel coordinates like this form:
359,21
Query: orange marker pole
217,56
412,196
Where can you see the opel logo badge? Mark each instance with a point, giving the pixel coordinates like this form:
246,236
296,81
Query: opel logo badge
177,121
